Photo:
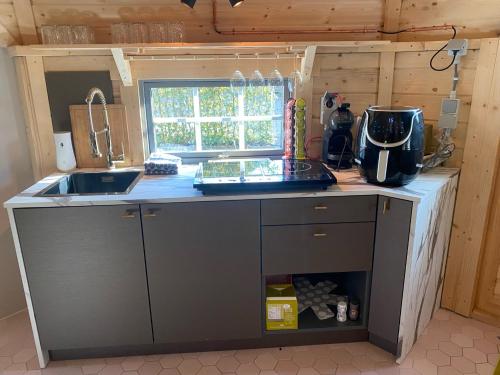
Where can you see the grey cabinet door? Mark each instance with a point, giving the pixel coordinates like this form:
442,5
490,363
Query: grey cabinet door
87,276
203,263
389,264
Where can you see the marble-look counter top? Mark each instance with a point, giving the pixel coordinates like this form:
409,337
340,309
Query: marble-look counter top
179,188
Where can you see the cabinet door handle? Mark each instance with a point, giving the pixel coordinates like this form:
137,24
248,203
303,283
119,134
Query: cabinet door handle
129,214
319,235
320,208
151,212
387,206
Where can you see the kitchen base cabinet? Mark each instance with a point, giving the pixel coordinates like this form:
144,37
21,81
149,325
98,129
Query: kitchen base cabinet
389,262
203,262
86,273
169,277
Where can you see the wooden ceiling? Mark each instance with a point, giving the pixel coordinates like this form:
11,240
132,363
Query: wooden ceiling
20,19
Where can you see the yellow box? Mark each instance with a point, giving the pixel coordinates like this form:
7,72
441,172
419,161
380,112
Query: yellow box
281,307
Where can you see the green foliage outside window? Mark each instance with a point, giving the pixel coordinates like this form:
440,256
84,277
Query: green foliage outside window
178,102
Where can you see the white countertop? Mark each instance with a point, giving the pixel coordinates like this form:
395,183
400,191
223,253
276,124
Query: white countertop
179,188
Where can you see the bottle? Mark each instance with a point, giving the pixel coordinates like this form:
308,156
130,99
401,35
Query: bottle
354,309
65,158
342,311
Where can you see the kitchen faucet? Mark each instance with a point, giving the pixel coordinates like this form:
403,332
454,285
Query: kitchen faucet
94,145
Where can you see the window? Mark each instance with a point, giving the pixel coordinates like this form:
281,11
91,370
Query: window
208,118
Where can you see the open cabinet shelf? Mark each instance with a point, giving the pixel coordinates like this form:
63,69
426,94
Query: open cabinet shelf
351,284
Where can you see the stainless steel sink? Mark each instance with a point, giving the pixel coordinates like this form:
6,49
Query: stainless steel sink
92,183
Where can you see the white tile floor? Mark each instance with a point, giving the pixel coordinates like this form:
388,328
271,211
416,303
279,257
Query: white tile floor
451,345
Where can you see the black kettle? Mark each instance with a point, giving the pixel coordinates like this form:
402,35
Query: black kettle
390,144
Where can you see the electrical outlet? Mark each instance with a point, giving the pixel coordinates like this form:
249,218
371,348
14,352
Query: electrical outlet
458,47
448,118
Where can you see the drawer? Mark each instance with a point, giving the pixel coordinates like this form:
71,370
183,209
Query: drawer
319,210
294,249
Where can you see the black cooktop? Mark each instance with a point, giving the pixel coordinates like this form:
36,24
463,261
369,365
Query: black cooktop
214,176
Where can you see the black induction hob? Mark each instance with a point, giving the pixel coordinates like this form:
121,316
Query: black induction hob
216,176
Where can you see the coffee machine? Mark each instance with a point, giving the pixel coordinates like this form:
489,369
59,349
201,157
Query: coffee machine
337,121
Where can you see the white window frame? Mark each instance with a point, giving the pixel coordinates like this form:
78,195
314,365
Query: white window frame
197,120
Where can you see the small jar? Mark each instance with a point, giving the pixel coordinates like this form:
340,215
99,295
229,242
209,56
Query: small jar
354,309
342,311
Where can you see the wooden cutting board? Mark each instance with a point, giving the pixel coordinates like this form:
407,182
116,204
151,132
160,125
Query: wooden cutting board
119,134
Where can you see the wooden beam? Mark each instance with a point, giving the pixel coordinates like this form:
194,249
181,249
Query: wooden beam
386,78
308,63
26,21
392,12
137,135
6,38
123,66
33,91
476,183
224,48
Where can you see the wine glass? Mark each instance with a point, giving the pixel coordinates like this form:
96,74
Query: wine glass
256,79
275,78
238,81
295,78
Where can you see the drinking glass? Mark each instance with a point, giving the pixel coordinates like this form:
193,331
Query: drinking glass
138,33
63,34
275,78
295,77
238,82
81,34
176,32
48,34
157,33
119,33
256,79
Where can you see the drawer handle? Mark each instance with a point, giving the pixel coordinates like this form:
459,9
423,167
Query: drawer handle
318,235
150,213
320,208
129,214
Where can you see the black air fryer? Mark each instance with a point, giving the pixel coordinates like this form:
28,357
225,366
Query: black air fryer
390,145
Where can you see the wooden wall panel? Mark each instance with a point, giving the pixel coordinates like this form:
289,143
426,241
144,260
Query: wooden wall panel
475,19
487,303
476,183
9,30
33,92
415,84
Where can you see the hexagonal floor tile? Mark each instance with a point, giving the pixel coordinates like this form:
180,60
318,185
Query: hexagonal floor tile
451,349
189,366
325,366
286,367
227,364
209,358
424,366
209,370
171,360
438,357
247,369
265,361
463,365
475,355
462,340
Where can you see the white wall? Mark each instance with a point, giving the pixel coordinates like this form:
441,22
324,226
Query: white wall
15,175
